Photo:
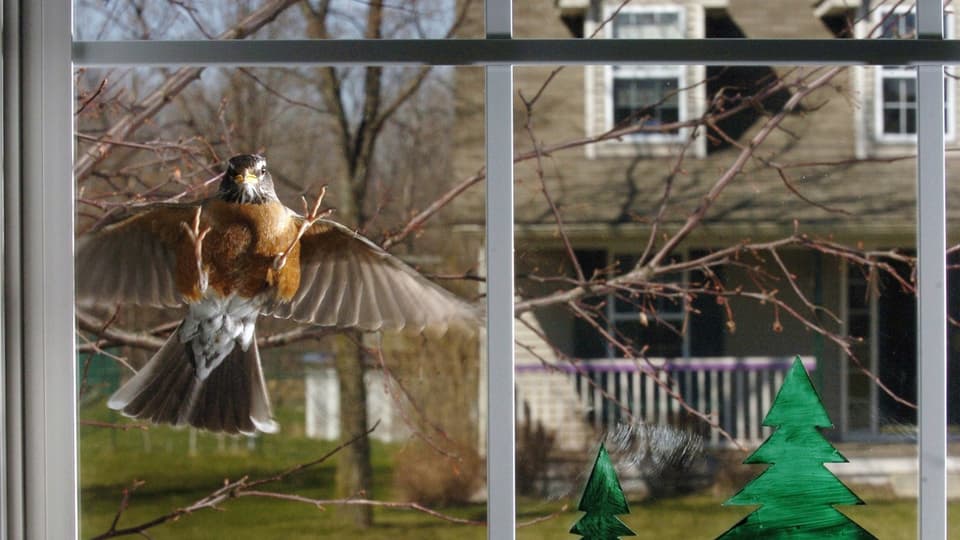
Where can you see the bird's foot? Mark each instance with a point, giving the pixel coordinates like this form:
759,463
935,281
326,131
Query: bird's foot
310,216
313,214
280,261
196,236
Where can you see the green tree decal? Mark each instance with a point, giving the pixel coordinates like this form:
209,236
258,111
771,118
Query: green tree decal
602,500
796,492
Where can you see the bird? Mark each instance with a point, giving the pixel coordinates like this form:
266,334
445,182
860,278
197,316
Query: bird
230,259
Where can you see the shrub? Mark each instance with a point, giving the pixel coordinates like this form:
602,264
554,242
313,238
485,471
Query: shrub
423,475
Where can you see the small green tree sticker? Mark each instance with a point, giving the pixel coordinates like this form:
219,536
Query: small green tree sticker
796,493
602,500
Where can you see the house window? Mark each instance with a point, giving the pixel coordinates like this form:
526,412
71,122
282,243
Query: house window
652,323
648,22
879,313
899,101
646,95
653,320
896,88
653,101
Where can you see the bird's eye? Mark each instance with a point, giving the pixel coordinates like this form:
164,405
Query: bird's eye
263,169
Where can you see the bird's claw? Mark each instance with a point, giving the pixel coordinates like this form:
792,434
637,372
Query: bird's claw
280,261
196,237
311,215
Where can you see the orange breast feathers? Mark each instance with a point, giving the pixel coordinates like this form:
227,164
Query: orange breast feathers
240,250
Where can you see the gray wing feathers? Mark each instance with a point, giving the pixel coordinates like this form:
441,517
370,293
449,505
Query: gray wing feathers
125,264
349,282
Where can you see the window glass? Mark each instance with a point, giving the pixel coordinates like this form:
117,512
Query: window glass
667,283
383,165
824,19
270,19
895,98
953,327
646,100
648,24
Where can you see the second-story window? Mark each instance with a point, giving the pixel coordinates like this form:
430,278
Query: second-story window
896,88
649,95
899,101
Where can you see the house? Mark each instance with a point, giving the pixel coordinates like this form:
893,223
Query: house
838,169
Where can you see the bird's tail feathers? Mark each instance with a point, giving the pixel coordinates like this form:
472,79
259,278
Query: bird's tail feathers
232,399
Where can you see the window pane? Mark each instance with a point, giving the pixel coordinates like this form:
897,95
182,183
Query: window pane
953,322
775,224
643,100
270,19
843,19
420,389
659,337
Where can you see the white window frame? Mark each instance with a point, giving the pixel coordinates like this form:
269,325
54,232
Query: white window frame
881,73
678,72
39,466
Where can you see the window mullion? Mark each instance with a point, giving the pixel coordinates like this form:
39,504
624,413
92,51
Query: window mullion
932,308
501,417
932,281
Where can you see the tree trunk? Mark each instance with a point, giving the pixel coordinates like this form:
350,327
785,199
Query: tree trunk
354,473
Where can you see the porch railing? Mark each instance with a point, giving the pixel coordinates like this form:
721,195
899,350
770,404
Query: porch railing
575,401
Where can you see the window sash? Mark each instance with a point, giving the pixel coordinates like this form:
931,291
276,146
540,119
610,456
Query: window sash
655,29
899,95
614,74
906,26
46,277
634,94
882,105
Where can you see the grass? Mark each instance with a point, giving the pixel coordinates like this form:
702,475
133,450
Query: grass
111,460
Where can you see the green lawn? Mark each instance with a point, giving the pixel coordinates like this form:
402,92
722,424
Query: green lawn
112,460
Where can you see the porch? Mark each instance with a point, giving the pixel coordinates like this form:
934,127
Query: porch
580,401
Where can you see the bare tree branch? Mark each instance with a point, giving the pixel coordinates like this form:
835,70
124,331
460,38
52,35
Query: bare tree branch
123,127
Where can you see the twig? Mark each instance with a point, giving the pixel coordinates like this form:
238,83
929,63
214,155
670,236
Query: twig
363,502
152,104
121,427
93,96
229,490
400,407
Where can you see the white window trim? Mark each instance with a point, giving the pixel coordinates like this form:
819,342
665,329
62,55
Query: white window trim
647,72
907,72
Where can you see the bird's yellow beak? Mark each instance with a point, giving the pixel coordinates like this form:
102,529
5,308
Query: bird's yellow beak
248,177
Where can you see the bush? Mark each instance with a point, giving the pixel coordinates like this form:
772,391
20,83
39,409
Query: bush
534,447
423,475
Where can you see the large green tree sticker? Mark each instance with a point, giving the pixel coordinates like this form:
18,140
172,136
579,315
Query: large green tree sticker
602,500
796,493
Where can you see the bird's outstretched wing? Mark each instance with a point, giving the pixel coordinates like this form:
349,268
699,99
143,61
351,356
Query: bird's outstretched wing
347,281
133,260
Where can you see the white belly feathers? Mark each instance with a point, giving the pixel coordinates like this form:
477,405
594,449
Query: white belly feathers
214,326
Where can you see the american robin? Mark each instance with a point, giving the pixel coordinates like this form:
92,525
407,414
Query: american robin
231,258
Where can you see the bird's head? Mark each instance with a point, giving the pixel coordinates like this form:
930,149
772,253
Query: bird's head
247,180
